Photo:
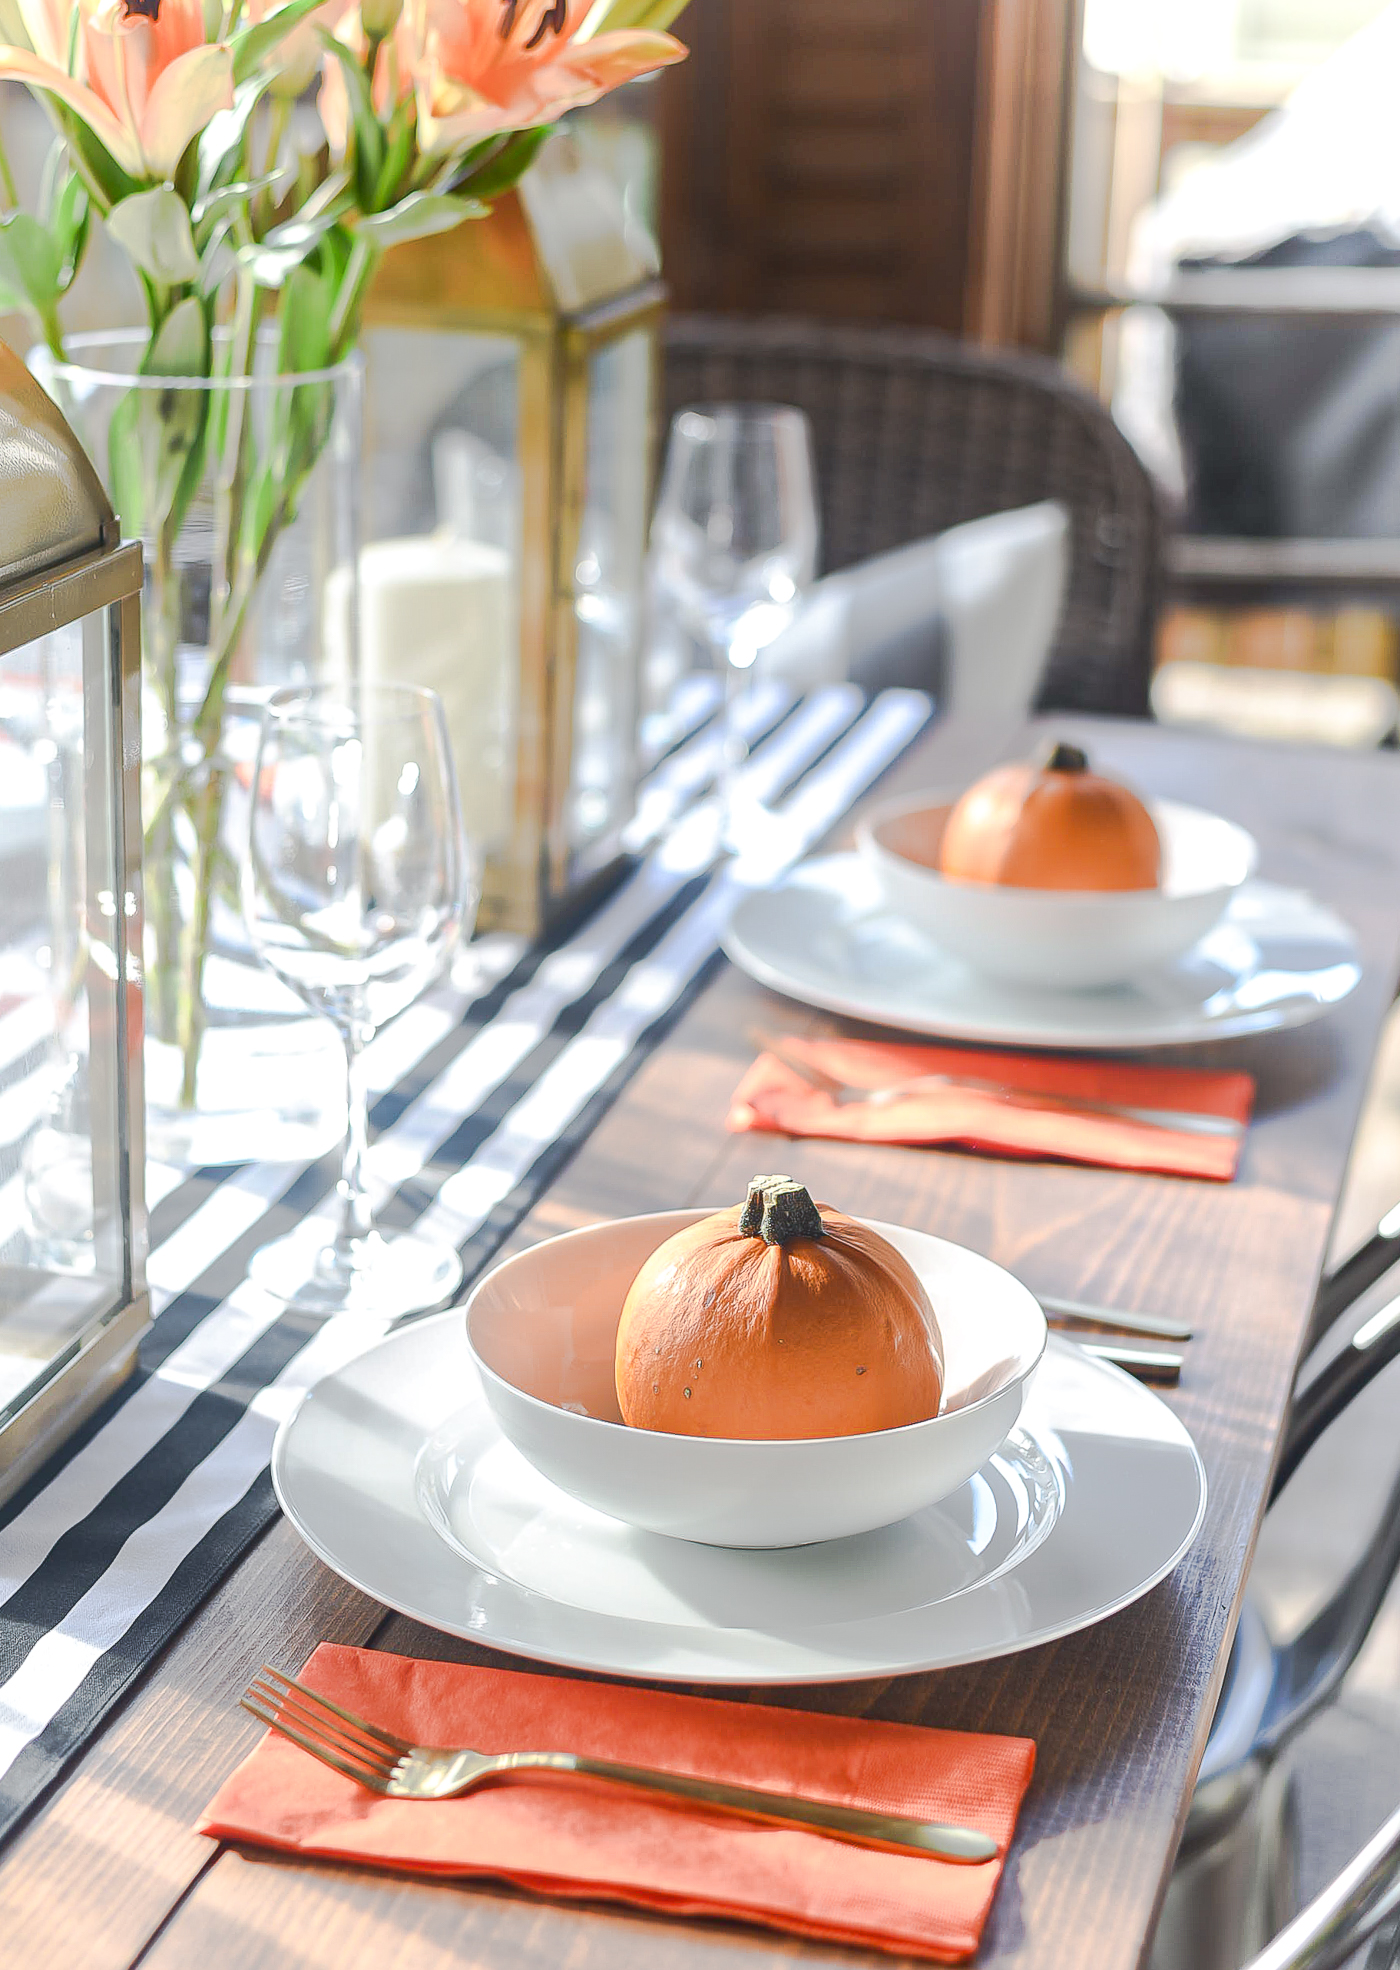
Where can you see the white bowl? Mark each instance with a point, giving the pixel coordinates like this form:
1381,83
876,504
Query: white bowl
1067,939
542,1328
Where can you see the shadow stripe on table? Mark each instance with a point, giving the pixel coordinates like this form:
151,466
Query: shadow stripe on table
41,1763
68,1657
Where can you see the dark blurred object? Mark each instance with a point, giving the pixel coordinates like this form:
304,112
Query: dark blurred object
916,432
846,134
1291,427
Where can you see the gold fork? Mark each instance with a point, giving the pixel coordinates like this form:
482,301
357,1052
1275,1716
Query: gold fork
392,1766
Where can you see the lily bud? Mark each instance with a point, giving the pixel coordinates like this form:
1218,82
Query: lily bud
295,63
380,17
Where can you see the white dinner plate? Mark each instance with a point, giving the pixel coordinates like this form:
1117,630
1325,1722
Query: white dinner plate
826,936
393,1472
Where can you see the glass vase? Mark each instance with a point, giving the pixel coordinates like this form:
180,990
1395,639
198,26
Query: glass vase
243,490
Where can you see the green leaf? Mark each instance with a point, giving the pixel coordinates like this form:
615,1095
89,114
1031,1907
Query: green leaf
498,173
399,149
181,344
103,171
30,263
56,169
270,266
610,15
216,206
369,136
221,144
212,259
417,216
252,45
155,443
305,322
261,508
313,169
154,227
71,219
287,246
125,462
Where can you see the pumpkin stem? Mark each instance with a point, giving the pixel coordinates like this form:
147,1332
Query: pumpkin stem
751,1217
777,1210
1062,758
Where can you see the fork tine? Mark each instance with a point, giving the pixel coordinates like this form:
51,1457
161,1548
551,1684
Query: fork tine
367,1776
323,1725
399,1744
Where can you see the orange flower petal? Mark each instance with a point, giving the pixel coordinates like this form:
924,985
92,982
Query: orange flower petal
529,90
624,53
46,24
186,94
19,65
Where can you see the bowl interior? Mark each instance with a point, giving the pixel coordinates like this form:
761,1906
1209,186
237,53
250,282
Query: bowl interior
1201,852
546,1320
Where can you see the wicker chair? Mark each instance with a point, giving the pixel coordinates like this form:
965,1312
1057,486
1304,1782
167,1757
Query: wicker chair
916,432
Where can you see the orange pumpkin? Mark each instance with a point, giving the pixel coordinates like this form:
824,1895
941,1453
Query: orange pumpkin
1051,825
778,1318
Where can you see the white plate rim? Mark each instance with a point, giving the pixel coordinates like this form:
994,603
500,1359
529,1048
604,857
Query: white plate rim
1180,1030
740,1673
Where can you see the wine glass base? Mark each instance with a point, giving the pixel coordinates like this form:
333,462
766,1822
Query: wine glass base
381,1278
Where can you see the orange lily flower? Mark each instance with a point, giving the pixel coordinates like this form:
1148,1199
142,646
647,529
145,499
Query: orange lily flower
152,81
481,67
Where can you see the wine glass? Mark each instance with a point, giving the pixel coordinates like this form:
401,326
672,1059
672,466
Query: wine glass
355,889
734,538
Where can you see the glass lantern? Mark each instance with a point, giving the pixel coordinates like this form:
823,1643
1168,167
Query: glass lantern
73,1301
511,377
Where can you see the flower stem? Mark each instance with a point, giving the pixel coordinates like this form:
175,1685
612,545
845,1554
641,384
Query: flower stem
53,332
345,317
7,179
209,807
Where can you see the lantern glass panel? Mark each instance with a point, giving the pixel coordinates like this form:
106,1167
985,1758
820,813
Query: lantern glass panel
440,573
607,597
65,1262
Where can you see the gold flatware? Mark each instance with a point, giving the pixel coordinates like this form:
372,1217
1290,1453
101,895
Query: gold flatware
846,1095
390,1765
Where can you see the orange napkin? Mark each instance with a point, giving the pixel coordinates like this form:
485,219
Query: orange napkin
773,1098
577,1837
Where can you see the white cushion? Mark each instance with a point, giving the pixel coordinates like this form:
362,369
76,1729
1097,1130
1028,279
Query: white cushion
994,586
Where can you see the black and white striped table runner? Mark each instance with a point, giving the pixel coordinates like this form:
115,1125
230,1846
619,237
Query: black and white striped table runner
480,1093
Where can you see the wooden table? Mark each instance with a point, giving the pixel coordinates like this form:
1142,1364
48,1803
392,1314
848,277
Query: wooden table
109,1872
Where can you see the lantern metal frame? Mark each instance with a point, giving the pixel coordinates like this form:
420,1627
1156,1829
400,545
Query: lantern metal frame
489,279
101,589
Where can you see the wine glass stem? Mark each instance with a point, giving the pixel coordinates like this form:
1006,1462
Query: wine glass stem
356,1215
736,751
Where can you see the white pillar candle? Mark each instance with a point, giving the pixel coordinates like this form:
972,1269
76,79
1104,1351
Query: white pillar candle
439,610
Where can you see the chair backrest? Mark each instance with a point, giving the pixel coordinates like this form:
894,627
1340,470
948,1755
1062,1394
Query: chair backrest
915,432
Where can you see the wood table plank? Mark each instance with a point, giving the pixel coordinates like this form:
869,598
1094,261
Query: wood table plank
1119,1712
